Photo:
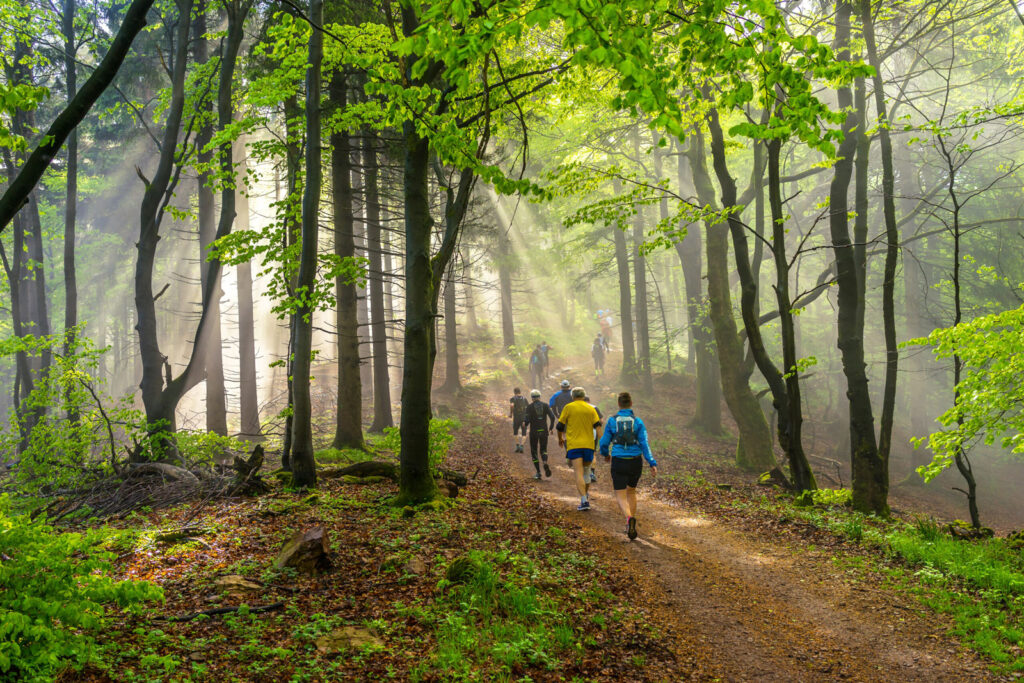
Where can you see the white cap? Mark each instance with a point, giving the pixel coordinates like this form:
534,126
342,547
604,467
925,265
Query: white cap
565,384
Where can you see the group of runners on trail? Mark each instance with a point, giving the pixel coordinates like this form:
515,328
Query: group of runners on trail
577,422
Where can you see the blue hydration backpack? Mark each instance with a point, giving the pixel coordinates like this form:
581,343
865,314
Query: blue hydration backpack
625,431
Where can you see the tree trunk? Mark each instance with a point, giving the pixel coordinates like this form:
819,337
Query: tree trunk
17,192
508,330
248,388
451,339
870,484
472,323
628,373
293,163
158,403
643,330
709,391
348,431
754,449
378,322
892,245
302,460
210,347
71,193
416,481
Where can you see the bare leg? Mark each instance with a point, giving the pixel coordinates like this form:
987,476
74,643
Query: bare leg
631,500
581,470
620,496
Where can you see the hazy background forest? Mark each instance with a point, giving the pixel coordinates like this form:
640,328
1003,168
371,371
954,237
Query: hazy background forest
235,222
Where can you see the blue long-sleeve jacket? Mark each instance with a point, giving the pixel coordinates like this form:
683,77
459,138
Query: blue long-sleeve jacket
642,447
558,400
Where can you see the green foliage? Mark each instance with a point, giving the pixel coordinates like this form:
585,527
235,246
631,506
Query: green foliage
990,404
441,438
204,449
491,612
54,596
56,449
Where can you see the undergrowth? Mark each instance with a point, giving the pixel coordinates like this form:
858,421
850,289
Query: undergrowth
56,597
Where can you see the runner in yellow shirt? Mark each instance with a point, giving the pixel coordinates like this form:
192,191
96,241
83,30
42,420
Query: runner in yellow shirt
575,427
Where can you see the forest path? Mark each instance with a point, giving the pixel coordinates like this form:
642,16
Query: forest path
746,609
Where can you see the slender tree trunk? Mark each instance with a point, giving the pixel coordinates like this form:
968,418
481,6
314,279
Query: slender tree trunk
293,161
158,403
302,459
792,439
508,330
348,431
248,387
643,332
451,339
754,448
210,347
416,480
378,322
22,184
870,483
788,410
472,323
892,245
709,391
629,372
71,193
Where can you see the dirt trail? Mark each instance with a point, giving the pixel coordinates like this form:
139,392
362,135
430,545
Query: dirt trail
745,610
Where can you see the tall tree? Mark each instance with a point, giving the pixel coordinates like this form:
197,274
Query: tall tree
382,417
211,346
248,398
303,463
348,432
870,474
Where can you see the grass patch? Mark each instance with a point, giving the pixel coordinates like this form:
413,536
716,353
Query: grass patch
492,619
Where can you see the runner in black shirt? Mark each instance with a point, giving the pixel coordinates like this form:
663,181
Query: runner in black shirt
516,409
539,421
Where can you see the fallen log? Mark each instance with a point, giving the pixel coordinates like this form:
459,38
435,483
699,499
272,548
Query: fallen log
221,610
162,469
367,468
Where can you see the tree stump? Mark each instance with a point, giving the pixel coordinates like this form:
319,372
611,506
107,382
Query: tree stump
306,551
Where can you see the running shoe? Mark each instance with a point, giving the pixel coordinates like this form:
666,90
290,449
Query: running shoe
547,470
631,529
593,477
537,476
584,506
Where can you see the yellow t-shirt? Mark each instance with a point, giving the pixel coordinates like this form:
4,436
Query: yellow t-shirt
579,418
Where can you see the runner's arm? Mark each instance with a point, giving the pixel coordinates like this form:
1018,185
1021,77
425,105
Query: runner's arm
606,439
644,445
551,417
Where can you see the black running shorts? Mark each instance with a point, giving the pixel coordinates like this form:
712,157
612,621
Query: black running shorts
518,427
626,472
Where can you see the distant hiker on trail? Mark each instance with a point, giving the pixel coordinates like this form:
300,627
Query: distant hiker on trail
517,411
537,366
560,398
626,434
604,342
539,421
546,351
600,418
576,434
605,321
597,351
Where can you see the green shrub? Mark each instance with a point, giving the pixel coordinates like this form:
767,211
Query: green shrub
441,438
54,596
